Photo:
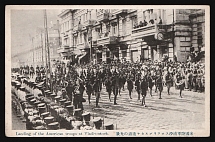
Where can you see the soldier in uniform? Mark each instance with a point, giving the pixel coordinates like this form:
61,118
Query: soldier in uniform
144,88
130,86
38,78
108,85
168,80
115,85
31,71
96,89
70,90
179,82
37,70
137,86
159,84
150,82
89,88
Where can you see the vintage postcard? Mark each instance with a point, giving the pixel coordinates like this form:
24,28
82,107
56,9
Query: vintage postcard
107,71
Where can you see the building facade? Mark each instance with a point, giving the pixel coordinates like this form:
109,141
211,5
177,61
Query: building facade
131,34
36,54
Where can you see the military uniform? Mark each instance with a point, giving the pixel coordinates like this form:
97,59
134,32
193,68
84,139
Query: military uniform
144,88
115,86
130,86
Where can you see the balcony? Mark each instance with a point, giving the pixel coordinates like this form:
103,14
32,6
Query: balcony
62,49
149,30
103,17
144,31
89,23
121,12
114,40
103,40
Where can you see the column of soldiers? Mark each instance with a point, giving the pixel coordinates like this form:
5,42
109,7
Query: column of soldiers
138,76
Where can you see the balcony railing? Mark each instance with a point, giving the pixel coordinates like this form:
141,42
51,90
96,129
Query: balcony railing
64,48
150,30
119,11
103,40
104,17
89,23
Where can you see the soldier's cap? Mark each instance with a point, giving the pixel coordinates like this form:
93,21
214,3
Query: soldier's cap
45,113
55,107
108,124
67,102
39,86
37,102
41,105
70,106
33,100
62,100
97,119
22,88
78,109
53,95
29,106
57,97
47,91
49,118
85,114
53,124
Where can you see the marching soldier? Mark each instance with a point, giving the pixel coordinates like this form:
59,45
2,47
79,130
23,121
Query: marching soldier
115,85
159,84
130,86
150,82
96,88
89,88
180,82
137,86
144,87
108,85
168,80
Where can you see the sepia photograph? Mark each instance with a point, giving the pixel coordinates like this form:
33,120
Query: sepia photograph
140,71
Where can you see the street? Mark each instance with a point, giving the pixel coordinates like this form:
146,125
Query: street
170,112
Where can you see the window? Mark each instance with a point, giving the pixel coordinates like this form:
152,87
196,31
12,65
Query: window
134,21
124,26
114,29
80,38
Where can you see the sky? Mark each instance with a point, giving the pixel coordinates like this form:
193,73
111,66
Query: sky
24,24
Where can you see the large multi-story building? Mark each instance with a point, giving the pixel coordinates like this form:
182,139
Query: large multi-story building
35,55
132,34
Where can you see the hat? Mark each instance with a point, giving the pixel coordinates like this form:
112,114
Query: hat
109,126
53,125
47,91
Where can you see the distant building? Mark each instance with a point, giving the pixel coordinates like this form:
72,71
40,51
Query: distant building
35,54
131,34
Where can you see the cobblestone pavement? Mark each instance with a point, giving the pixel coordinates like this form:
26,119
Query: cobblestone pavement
170,112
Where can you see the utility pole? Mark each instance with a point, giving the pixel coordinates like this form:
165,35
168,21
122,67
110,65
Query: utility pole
47,44
42,47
